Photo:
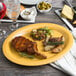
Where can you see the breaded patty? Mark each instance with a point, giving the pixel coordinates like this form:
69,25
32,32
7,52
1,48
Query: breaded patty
19,43
23,44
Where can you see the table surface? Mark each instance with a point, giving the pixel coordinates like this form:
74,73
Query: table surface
8,68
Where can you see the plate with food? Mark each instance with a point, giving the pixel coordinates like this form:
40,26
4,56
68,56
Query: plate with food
67,16
37,44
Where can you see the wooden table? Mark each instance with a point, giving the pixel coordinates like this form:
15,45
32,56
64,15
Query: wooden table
8,68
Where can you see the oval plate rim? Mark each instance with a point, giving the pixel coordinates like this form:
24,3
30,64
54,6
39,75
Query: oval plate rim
58,56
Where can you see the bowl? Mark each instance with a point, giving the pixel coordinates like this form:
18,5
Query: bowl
46,10
27,14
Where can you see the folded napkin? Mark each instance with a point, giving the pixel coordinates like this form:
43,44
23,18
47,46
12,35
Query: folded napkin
67,63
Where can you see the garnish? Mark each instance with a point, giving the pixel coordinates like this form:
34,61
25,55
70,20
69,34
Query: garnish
27,55
41,33
55,43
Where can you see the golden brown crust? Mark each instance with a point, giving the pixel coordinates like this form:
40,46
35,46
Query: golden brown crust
19,43
22,44
58,48
40,56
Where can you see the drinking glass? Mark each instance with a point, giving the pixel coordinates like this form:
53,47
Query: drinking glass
13,11
2,14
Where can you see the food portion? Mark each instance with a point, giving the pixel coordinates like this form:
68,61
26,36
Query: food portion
44,6
28,13
50,43
41,33
26,47
70,14
67,12
54,44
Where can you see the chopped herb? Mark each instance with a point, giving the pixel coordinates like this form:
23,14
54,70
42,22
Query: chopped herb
26,55
41,33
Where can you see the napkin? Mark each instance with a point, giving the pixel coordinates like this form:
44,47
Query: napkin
67,63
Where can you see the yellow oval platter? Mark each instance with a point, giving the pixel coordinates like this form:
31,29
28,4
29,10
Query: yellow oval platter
13,55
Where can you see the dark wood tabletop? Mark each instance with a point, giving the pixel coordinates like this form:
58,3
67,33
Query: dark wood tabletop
8,68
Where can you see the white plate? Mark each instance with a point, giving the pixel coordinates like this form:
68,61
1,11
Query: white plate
30,17
30,2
